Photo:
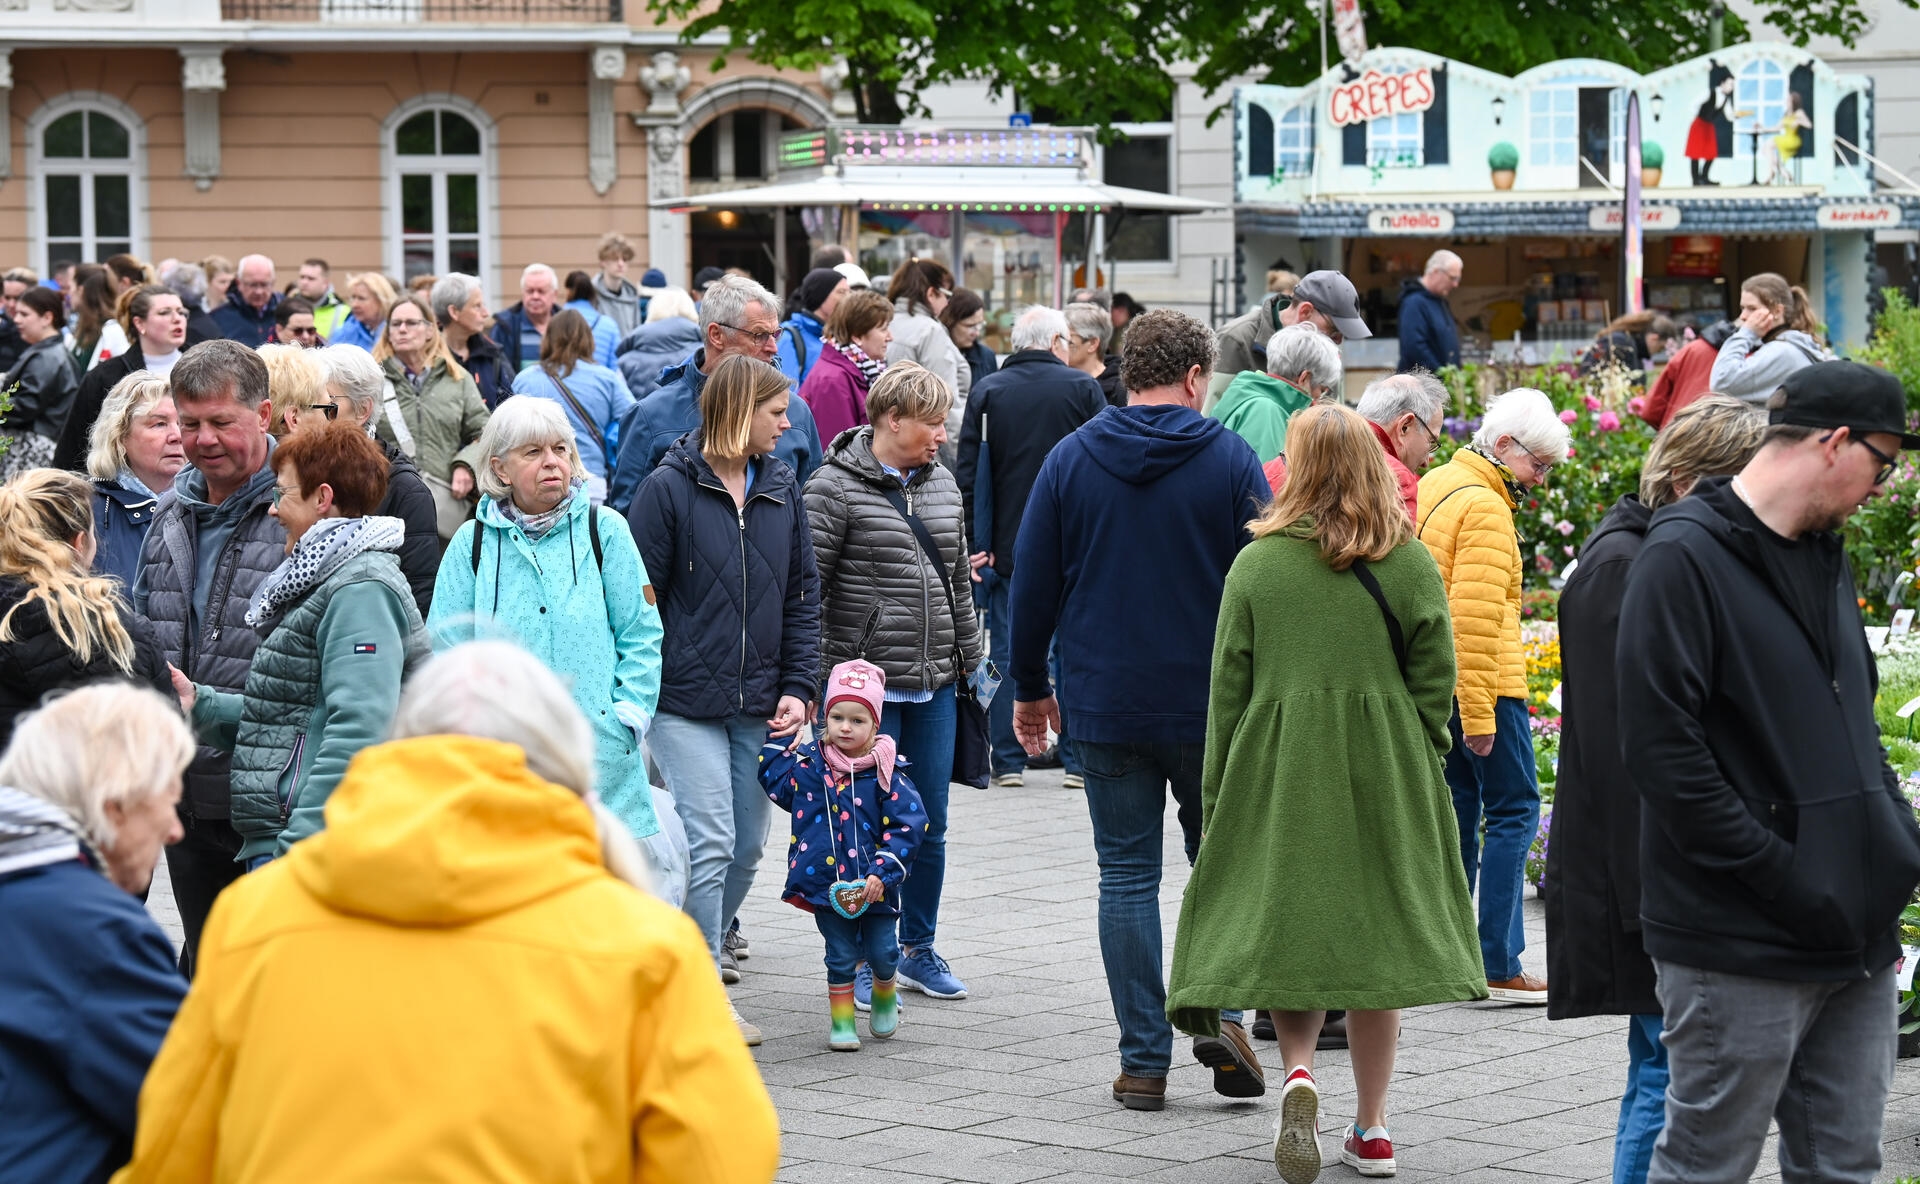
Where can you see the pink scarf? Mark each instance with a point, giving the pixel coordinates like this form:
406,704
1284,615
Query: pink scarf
879,757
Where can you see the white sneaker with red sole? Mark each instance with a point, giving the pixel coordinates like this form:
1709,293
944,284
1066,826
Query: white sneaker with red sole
1369,1152
1296,1141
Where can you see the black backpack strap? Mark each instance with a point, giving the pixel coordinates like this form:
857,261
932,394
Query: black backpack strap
1394,634
799,351
593,536
478,531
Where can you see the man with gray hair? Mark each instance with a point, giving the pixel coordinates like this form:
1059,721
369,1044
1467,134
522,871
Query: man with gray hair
209,549
1326,300
1428,335
247,316
519,330
1014,418
1302,366
1089,332
1407,413
737,316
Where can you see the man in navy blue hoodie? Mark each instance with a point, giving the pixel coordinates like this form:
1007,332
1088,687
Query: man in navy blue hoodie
1123,551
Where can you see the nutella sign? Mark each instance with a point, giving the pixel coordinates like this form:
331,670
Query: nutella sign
1410,222
1875,215
1609,217
1374,95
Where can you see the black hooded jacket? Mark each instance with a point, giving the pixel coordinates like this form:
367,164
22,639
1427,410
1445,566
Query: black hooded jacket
1774,841
1595,964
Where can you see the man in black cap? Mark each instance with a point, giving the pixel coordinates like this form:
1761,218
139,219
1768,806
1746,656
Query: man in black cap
703,279
1326,300
806,324
1776,849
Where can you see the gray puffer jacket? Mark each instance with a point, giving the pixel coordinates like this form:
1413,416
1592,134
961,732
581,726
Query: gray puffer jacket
1752,370
217,652
881,592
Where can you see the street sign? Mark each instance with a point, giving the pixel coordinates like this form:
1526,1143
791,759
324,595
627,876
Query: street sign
1020,119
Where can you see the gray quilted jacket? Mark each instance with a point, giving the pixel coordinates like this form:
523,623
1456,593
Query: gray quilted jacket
881,593
216,652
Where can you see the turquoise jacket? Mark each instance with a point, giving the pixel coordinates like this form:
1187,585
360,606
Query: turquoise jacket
592,623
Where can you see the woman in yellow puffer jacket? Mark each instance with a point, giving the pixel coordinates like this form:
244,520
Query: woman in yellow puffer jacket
1466,520
452,982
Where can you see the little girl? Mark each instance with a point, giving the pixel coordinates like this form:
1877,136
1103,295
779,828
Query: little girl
856,823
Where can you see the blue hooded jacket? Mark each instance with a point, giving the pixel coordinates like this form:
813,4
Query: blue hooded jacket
241,322
91,989
651,350
672,411
1123,552
880,832
812,335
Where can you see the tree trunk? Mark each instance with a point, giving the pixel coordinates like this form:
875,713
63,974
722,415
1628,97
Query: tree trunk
874,100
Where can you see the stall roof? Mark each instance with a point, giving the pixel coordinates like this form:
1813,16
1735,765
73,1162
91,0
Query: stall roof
1758,211
1034,190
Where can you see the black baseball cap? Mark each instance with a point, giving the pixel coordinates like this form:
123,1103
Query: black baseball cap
1334,295
1850,395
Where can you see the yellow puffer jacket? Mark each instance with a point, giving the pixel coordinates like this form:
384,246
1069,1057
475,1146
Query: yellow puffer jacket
447,985
1466,520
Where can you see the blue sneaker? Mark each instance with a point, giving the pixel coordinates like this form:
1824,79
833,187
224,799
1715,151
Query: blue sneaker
928,973
862,988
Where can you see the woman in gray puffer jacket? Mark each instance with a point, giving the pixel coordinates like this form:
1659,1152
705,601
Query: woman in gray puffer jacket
910,613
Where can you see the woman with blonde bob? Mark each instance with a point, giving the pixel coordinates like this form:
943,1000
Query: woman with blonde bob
60,624
296,388
467,971
88,986
1337,613
726,546
135,455
369,296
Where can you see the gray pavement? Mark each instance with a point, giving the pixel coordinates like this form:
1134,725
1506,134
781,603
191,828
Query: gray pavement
1011,1084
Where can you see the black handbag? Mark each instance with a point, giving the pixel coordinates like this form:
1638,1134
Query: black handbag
972,748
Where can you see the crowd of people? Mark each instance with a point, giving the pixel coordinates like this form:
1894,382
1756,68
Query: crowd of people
451,656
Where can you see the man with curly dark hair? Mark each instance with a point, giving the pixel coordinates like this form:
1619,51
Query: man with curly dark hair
1123,553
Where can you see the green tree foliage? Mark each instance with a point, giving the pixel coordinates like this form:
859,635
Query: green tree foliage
1102,63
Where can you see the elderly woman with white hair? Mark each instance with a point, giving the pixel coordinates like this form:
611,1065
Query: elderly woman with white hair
136,452
88,986
1466,520
1302,366
669,337
463,970
353,387
542,564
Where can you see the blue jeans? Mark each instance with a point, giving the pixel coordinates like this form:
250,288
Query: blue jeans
868,938
924,733
1643,1108
712,768
1127,801
1008,756
1503,787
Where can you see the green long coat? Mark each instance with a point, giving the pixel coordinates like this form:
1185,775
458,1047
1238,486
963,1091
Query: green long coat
1329,869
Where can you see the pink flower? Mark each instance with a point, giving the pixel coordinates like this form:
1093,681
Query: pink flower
1608,421
1563,526
1593,404
1569,415
1637,404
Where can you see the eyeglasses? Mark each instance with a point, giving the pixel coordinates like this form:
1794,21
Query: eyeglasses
1433,437
392,324
1887,463
1543,467
328,411
309,331
760,340
278,493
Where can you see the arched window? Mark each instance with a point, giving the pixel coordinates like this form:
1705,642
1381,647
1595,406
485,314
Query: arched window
1398,141
1295,142
1759,87
439,200
88,181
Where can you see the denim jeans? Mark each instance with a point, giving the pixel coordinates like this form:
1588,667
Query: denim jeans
1643,1107
1816,1057
1502,786
712,768
868,938
1127,801
924,734
1008,756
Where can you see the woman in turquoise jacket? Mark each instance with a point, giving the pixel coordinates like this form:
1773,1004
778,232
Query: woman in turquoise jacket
540,563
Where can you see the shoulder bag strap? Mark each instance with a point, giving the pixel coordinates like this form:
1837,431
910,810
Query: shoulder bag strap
1443,501
932,548
1394,634
390,406
599,436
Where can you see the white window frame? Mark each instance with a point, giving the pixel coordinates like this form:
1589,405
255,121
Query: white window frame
1750,87
1542,151
1295,136
1162,130
486,166
134,168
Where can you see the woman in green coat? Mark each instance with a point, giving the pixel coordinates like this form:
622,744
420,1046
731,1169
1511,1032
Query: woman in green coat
1329,872
431,410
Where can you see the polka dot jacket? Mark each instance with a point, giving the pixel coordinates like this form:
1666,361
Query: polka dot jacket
843,828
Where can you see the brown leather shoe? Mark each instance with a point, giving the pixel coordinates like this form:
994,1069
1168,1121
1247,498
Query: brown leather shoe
1521,988
1140,1093
1236,1071
1333,1033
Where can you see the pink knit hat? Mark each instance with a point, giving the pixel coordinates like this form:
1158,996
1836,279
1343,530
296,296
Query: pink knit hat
859,682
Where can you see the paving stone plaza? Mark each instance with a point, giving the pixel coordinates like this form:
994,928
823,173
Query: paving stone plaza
1011,1085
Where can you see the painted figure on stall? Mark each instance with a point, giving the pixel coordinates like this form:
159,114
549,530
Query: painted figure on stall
1711,136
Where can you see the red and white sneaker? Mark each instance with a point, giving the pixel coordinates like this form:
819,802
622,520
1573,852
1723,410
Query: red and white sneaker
1296,1141
1369,1152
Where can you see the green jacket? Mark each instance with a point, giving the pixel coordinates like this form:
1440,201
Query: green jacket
1257,406
328,312
443,417
324,684
1329,870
